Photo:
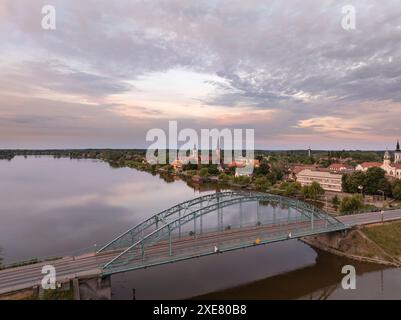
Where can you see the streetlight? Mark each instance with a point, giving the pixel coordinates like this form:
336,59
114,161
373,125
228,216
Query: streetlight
361,188
382,211
382,192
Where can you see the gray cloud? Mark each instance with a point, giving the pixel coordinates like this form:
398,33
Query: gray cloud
293,57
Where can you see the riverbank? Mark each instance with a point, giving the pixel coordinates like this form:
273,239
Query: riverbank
376,243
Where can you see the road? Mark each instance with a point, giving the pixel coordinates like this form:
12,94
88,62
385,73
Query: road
370,218
91,264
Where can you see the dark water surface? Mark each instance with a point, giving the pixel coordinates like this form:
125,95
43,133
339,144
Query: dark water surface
62,206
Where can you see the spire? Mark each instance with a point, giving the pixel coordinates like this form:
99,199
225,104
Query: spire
398,145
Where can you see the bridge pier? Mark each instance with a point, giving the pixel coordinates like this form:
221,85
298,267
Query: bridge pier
92,288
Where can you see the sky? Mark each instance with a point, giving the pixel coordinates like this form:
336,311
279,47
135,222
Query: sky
112,70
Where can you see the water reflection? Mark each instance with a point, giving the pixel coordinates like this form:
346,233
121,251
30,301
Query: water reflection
55,206
317,281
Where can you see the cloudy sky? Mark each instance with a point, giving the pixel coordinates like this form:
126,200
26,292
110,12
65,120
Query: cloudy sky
112,70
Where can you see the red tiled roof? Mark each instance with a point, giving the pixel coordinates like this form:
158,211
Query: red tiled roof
371,164
298,168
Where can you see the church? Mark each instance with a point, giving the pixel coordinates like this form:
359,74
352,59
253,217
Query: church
393,169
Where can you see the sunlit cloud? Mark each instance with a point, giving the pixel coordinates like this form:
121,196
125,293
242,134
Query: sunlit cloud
333,125
110,72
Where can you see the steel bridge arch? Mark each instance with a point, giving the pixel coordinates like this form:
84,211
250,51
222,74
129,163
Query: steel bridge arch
136,240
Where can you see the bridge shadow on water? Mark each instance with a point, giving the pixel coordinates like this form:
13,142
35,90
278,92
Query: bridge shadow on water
283,270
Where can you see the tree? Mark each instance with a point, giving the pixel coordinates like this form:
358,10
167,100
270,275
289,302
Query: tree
262,183
277,172
212,169
242,180
204,172
335,201
292,189
397,190
189,166
262,170
351,204
224,177
375,179
351,182
313,191
372,181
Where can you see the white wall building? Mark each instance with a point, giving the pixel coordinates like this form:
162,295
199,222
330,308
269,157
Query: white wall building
329,181
393,169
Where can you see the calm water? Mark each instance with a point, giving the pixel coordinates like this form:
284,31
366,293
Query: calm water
61,206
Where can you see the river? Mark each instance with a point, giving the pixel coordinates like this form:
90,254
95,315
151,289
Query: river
61,206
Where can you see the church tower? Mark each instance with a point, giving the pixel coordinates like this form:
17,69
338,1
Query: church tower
397,154
195,153
218,151
387,159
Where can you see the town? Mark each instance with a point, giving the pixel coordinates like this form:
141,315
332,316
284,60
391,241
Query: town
341,182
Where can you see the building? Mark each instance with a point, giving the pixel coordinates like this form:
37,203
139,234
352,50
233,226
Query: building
329,181
244,167
177,165
340,167
392,169
295,169
366,165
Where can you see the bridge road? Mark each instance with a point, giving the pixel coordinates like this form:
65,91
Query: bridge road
370,217
91,264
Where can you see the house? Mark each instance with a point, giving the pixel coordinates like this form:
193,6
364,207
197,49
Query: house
340,167
366,165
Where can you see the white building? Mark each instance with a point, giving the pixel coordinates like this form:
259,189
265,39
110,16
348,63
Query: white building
329,181
393,169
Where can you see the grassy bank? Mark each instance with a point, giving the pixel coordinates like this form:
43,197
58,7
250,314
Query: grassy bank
387,236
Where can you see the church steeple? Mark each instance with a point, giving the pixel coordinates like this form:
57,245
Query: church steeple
397,153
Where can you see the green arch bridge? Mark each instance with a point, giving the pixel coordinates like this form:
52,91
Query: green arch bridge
201,227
